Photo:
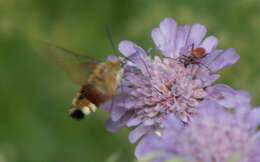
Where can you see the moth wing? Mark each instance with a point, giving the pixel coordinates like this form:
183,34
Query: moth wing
78,67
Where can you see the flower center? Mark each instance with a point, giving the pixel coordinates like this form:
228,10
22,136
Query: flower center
166,86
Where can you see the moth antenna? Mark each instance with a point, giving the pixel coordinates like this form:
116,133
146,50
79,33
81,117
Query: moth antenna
110,39
77,55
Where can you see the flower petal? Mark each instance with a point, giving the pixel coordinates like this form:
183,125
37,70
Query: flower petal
208,105
157,37
181,39
129,48
113,126
172,122
133,122
197,33
121,99
168,27
227,97
205,73
224,60
164,36
148,146
134,53
254,117
243,98
210,43
117,112
138,132
209,79
211,57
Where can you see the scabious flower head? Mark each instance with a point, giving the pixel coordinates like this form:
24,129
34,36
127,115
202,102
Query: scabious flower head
155,87
215,135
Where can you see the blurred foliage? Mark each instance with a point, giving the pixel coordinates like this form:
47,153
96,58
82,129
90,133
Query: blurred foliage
35,95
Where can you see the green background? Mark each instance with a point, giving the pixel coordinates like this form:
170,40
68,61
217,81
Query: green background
35,95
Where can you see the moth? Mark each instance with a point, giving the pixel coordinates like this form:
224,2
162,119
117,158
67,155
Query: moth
98,80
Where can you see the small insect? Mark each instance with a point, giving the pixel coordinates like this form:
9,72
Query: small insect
194,57
98,80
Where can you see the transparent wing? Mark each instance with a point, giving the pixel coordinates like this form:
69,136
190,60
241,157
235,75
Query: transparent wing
78,67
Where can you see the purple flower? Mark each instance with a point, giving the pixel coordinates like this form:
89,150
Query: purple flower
215,135
155,87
